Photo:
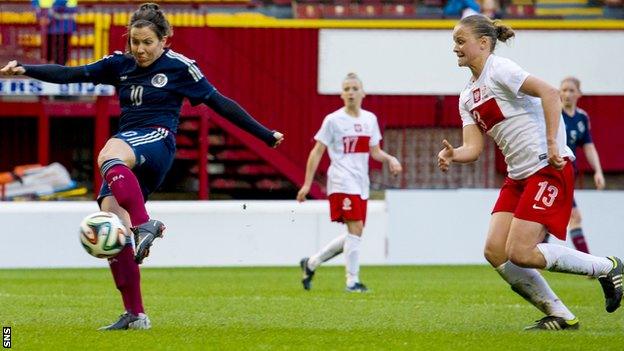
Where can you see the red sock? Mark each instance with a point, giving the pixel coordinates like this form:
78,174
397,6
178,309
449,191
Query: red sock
578,239
127,279
127,191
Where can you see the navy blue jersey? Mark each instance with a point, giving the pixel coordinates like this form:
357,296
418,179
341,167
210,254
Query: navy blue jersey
577,129
151,96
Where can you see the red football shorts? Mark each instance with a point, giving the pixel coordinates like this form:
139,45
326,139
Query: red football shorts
545,197
347,207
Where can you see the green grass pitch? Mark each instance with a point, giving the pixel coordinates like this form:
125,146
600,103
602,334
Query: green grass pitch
408,308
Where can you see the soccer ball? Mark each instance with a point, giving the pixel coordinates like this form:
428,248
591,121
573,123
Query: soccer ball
102,234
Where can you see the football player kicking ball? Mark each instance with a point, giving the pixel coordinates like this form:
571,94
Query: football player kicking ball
523,116
349,135
151,82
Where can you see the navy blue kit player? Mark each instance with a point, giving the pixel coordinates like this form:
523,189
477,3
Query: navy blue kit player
578,131
151,82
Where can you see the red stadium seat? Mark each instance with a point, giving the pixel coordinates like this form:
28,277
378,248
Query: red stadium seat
340,9
518,10
399,10
307,9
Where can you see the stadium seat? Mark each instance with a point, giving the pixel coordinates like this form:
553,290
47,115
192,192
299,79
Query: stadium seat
308,9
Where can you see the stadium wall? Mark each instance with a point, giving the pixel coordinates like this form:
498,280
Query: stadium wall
199,233
421,62
275,73
410,227
281,75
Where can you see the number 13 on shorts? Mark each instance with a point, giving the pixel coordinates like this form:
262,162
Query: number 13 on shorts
546,195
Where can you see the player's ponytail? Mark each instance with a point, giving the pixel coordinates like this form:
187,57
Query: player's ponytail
148,6
503,31
482,26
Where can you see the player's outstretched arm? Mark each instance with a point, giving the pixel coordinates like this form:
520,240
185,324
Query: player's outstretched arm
13,68
47,73
231,110
393,163
468,152
313,161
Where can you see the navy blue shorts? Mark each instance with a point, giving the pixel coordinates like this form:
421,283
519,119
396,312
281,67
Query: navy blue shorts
154,150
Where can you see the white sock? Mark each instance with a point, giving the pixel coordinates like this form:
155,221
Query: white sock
352,256
330,251
566,260
529,283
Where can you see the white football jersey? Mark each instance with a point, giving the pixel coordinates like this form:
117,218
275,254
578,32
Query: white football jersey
514,120
348,140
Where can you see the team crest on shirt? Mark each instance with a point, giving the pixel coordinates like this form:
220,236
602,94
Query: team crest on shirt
159,80
346,204
358,127
476,95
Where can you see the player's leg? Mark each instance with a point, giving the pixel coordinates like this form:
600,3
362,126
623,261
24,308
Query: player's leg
526,282
116,161
494,251
127,277
354,210
526,249
545,205
332,249
575,230
134,163
310,264
352,245
329,251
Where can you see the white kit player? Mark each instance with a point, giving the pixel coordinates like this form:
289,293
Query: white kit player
523,115
349,134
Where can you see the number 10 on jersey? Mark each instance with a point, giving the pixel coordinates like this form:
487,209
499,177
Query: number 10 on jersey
136,95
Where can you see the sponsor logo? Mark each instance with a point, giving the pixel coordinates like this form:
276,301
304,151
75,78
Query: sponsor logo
123,78
129,133
159,80
538,207
115,178
23,87
542,157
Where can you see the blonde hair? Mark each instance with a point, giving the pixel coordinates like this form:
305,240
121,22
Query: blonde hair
353,76
483,26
